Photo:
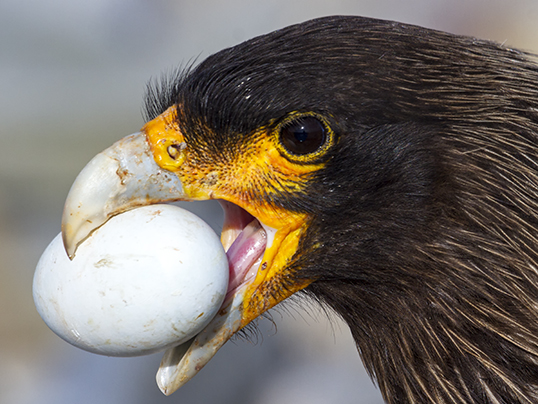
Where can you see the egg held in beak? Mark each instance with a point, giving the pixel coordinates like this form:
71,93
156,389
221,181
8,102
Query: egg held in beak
261,238
147,280
125,177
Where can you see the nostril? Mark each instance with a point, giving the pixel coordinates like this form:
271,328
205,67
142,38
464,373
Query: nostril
174,150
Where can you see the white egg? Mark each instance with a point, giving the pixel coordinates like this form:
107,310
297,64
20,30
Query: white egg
149,279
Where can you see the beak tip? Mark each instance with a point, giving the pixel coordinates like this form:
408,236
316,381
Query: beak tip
69,249
67,242
73,235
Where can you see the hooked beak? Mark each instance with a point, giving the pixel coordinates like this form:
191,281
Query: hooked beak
120,178
155,166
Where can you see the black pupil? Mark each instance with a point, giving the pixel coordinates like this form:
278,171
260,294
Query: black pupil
303,136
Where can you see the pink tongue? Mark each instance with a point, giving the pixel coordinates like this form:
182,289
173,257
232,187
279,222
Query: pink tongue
247,248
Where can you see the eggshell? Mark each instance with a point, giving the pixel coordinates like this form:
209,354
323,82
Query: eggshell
149,279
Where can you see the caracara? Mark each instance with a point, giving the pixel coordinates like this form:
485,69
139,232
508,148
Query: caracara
390,171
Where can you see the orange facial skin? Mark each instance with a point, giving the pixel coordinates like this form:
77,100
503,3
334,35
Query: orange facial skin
240,177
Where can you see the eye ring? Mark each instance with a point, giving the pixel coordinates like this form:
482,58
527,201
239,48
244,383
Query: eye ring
304,137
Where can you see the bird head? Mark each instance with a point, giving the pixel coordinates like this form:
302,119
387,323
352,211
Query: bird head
350,155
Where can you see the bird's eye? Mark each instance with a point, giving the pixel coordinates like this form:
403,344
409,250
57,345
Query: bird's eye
303,136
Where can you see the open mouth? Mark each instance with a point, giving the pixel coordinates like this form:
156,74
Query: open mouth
245,240
126,176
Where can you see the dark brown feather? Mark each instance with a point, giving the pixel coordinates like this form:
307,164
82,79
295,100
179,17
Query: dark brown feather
425,230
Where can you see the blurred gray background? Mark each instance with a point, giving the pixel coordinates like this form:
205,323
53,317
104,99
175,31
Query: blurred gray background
72,79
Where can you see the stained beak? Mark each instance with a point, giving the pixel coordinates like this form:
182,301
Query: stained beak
123,177
120,178
149,167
